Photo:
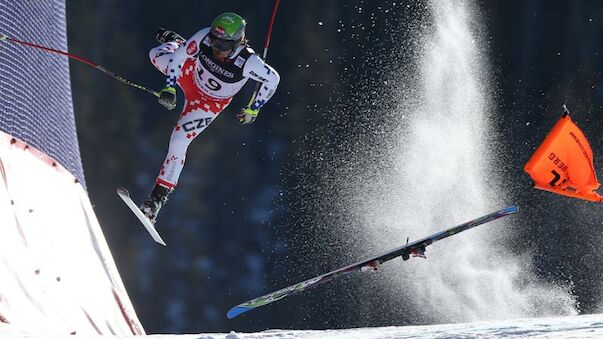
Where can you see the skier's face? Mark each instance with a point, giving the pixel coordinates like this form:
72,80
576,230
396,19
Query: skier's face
222,44
221,48
218,54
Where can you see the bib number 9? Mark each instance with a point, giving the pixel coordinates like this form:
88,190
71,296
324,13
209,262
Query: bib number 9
213,84
210,83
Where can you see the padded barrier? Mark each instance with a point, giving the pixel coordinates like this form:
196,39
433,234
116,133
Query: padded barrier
57,274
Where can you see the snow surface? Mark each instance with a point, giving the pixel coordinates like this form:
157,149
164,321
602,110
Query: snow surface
584,326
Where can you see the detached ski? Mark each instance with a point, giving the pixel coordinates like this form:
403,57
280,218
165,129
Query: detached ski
148,225
416,249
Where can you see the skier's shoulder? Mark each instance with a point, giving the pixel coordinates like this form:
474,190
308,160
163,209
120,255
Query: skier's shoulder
243,51
202,36
196,42
244,56
203,32
249,49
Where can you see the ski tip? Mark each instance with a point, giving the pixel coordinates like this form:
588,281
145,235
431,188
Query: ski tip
237,310
513,209
161,242
122,191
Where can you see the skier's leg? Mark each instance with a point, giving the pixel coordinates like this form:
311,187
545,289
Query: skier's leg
198,112
189,126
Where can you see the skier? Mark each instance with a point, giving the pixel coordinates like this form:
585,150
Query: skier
210,68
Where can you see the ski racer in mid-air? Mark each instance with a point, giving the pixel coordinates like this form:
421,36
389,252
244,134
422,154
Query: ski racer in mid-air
210,68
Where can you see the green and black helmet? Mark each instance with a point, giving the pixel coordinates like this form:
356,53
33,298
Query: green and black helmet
227,31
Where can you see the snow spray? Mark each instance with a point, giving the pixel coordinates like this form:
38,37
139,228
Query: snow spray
444,173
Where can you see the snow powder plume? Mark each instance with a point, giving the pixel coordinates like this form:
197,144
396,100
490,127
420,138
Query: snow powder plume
444,175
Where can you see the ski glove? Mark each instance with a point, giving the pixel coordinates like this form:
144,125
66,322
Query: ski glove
167,98
248,115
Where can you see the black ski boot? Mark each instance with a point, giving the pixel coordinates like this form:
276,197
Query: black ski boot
165,35
155,201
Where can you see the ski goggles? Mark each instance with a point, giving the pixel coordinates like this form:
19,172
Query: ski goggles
222,44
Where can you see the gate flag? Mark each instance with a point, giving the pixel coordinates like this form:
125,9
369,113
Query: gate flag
563,163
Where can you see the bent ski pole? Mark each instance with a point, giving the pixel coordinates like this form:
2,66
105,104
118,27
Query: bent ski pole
257,86
4,37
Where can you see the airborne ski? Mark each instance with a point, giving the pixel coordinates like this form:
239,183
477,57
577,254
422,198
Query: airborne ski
416,248
148,225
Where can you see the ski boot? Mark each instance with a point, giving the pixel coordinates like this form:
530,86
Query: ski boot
156,200
165,35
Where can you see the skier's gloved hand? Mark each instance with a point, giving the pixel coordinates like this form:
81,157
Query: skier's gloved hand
167,98
248,115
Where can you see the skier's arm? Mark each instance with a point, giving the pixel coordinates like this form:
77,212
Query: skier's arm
167,96
255,68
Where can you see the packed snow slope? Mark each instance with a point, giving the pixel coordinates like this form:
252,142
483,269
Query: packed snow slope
584,326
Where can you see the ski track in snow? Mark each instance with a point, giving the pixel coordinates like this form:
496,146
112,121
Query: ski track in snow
584,326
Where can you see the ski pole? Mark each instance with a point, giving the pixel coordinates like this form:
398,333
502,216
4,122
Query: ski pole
4,37
268,34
